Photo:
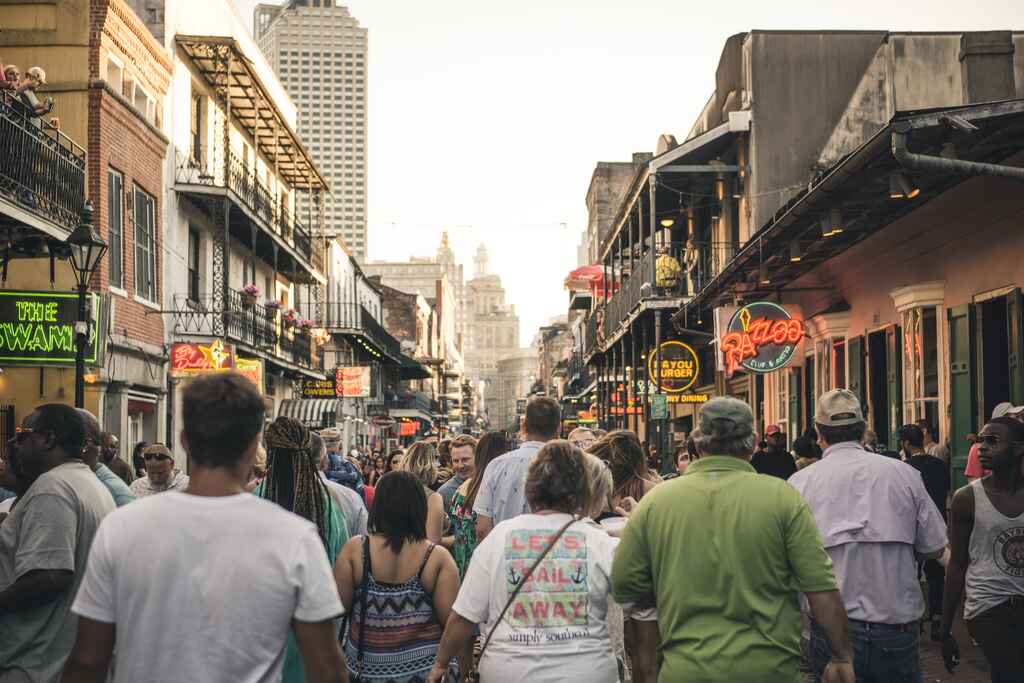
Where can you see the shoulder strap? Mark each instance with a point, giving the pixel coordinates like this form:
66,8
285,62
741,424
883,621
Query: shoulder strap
426,556
519,586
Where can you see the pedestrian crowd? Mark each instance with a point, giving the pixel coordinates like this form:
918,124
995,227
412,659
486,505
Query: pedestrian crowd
279,556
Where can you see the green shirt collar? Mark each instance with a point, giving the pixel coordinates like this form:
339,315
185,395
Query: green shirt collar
719,463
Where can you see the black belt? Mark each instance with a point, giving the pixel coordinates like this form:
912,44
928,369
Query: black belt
878,626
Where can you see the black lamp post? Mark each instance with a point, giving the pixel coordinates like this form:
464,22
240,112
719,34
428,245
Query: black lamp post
87,249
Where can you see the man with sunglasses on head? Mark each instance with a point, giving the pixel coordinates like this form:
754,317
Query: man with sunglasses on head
44,543
986,562
161,474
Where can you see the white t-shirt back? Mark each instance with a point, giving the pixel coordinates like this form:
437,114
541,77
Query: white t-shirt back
205,588
557,628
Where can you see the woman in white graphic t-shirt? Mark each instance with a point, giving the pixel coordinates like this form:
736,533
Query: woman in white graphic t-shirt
556,628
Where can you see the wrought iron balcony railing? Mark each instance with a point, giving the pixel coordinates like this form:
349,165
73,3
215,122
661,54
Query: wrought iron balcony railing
42,170
270,210
254,325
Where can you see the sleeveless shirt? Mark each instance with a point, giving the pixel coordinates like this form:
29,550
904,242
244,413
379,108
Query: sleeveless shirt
996,569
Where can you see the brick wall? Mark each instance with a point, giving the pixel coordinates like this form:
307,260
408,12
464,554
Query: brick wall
119,139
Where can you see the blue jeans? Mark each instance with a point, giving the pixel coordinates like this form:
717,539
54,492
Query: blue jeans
882,653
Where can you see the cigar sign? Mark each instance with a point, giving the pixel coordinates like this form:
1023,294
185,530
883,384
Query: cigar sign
760,337
679,367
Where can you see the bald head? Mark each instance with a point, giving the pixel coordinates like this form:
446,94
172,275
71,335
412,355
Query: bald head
91,452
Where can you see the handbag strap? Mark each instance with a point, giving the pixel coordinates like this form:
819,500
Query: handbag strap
519,586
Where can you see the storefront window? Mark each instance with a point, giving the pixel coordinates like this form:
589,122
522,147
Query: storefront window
823,361
920,365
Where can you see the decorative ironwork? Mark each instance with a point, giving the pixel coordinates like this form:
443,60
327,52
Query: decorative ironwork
41,168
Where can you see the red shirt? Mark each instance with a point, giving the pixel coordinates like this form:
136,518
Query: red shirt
974,469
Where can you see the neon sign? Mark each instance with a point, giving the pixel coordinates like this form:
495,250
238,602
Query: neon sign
38,328
679,367
188,360
761,337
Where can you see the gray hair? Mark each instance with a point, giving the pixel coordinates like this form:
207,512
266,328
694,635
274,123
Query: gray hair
726,427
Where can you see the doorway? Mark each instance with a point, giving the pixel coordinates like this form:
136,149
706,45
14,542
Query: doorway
878,385
995,354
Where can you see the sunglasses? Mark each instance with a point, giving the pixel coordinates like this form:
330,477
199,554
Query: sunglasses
159,457
22,433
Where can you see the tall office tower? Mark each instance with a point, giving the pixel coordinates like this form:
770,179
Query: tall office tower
318,50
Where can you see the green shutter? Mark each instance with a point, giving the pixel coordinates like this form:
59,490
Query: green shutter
855,367
894,365
795,428
1015,337
961,388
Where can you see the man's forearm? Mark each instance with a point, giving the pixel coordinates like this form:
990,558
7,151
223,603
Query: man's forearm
828,610
82,671
34,589
483,527
457,633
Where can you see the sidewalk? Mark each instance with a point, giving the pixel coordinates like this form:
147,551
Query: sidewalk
973,667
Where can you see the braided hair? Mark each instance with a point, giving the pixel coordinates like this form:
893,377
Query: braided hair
293,476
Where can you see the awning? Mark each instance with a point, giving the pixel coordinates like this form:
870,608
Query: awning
313,412
413,369
411,413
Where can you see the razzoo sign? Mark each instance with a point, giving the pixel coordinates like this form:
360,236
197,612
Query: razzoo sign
760,337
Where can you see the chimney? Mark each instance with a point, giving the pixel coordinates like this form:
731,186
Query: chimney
986,66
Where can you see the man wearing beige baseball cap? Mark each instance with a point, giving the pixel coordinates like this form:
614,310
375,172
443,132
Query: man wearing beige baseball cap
876,522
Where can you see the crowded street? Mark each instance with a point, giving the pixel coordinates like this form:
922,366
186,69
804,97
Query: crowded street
629,344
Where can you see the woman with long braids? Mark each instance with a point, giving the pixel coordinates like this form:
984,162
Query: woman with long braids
293,482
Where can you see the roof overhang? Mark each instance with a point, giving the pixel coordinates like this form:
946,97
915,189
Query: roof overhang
225,67
858,186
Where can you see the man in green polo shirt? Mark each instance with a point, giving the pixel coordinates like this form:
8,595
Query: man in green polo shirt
724,552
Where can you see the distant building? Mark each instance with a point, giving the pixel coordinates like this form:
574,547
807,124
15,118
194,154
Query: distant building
515,374
319,52
492,326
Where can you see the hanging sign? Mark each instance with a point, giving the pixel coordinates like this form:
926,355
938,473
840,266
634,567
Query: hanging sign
251,368
679,367
353,381
760,337
408,429
318,388
189,360
659,407
38,328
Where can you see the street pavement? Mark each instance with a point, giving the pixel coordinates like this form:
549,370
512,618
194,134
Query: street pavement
973,667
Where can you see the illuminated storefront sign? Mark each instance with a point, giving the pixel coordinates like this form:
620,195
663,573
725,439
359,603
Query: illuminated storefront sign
38,328
189,360
319,388
353,381
760,337
679,367
251,368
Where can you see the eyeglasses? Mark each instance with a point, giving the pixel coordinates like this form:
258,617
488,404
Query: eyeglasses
159,457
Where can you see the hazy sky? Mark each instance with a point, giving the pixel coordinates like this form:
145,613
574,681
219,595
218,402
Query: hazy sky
486,118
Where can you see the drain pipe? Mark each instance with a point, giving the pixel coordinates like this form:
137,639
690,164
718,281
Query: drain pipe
927,162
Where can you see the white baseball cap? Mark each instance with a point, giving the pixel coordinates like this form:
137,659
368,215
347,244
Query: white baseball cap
1006,408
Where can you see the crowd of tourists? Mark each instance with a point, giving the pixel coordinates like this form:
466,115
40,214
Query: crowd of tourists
282,557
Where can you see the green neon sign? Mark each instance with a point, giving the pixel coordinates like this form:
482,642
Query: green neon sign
38,328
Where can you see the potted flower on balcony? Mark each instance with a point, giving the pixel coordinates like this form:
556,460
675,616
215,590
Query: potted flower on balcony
249,294
272,304
305,325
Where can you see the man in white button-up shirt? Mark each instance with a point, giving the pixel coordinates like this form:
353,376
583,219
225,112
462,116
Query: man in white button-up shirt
876,522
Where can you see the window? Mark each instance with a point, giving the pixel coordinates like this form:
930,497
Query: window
145,245
144,103
115,226
115,75
920,365
196,128
193,264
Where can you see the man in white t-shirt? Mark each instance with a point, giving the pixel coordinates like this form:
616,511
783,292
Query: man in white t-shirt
223,579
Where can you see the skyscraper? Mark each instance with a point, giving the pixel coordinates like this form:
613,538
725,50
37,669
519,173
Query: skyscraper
319,52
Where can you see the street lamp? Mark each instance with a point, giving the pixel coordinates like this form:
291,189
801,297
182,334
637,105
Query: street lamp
87,249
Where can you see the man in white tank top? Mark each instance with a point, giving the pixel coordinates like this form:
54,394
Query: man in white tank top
986,534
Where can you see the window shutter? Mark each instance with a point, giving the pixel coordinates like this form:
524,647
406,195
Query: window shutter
855,367
961,388
1015,339
795,428
894,365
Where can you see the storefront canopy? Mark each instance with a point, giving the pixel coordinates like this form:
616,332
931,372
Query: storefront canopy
313,412
413,369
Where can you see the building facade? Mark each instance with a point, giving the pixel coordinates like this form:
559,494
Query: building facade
492,327
515,376
319,52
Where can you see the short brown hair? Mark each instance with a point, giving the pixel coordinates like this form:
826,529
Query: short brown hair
557,479
543,417
222,415
463,440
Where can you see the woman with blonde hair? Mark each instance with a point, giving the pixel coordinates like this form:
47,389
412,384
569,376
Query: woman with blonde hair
622,452
421,461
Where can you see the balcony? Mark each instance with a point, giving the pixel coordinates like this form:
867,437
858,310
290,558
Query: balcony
255,328
358,324
642,283
42,172
240,182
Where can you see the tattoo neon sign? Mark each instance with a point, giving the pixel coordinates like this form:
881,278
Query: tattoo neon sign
761,337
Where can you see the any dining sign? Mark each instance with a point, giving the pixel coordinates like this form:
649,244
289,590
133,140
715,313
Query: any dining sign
760,337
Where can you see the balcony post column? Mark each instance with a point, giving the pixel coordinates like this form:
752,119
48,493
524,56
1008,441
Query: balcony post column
647,380
652,222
